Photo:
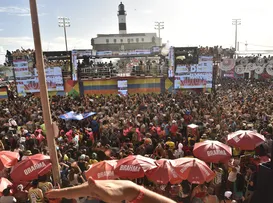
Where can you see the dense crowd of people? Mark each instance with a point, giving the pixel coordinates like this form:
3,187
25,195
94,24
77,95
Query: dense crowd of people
149,125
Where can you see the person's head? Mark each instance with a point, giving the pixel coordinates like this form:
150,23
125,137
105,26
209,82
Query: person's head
186,187
94,156
20,187
35,183
6,192
210,191
228,195
251,169
42,178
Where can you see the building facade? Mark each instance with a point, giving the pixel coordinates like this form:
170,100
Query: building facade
124,41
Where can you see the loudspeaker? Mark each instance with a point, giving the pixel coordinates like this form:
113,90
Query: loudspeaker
265,185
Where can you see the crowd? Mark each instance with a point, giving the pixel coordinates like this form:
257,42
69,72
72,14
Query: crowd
149,125
216,51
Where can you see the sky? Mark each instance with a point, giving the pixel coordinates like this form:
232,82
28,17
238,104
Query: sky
187,23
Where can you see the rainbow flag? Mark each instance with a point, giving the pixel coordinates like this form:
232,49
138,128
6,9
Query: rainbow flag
3,93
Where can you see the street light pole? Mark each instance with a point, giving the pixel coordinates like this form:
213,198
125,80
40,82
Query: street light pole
159,26
64,22
43,91
236,22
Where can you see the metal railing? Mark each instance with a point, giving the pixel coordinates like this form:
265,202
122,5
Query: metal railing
106,72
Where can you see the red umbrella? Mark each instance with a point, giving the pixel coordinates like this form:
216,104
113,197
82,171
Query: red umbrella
193,170
31,168
245,139
4,183
8,159
212,151
103,170
164,173
134,166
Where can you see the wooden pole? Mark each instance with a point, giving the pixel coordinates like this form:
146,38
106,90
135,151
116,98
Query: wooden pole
43,91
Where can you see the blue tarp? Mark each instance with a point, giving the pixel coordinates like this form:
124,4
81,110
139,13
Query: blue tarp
74,116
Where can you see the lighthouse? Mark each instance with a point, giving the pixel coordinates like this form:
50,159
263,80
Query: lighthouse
122,19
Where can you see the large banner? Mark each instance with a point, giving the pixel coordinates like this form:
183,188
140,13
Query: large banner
27,78
195,76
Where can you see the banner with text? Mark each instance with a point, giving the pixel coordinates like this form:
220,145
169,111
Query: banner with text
195,76
27,78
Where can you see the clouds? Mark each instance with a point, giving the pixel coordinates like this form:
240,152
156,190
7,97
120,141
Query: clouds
18,11
14,10
56,44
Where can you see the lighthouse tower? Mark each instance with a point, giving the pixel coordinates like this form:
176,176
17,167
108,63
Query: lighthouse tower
122,19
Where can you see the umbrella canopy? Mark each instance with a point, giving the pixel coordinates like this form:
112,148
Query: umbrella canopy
212,151
134,166
8,159
103,170
245,139
4,183
193,170
164,173
31,168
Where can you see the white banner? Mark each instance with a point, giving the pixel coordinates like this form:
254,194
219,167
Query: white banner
28,82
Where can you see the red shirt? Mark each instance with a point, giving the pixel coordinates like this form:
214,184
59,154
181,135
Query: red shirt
174,129
91,137
69,135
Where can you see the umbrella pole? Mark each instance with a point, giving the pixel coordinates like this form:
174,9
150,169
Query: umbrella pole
43,91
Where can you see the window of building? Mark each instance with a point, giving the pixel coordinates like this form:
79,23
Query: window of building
137,40
107,41
128,40
142,39
115,40
132,40
121,40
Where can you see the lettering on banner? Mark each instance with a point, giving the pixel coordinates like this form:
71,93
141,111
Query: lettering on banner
129,168
35,167
216,152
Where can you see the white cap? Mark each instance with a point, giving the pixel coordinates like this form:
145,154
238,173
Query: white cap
228,194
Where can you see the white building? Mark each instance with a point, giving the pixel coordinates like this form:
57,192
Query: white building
124,41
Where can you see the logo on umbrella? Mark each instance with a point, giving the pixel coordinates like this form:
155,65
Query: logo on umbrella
216,152
185,167
129,168
105,174
6,158
174,173
30,169
236,139
205,170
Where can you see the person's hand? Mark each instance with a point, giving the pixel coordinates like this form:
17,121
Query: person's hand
111,191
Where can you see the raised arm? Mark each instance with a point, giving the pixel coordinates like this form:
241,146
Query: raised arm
110,191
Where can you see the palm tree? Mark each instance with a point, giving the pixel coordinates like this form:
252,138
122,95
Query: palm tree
5,71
